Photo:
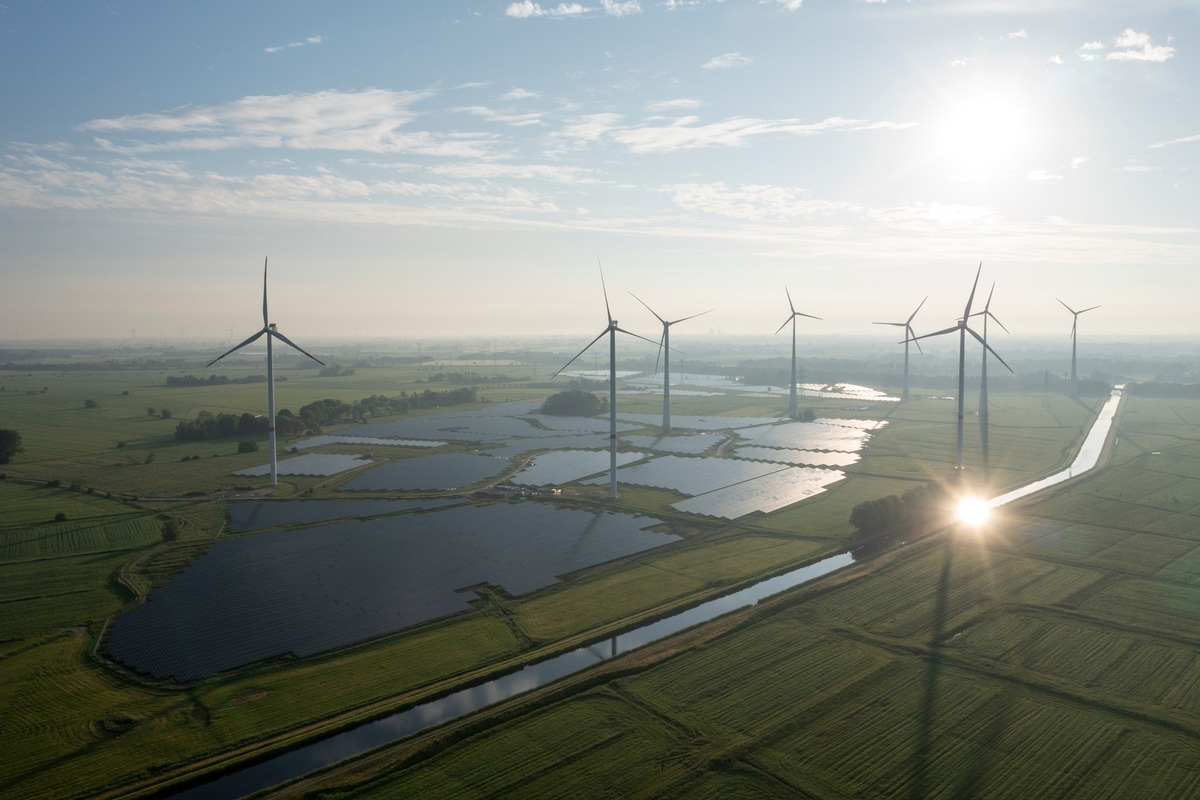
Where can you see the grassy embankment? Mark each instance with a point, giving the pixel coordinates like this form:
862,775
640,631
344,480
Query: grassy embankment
77,727
1052,655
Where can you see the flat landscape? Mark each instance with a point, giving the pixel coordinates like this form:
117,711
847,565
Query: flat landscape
941,668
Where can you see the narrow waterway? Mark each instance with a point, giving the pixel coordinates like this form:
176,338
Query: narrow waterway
356,741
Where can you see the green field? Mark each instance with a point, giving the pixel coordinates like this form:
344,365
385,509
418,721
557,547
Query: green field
78,726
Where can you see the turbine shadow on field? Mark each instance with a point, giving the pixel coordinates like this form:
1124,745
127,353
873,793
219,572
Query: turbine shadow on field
927,713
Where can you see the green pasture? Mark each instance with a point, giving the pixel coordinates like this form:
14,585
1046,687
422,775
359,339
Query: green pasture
1052,654
83,726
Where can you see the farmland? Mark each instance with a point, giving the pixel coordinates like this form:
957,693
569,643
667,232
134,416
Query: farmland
86,727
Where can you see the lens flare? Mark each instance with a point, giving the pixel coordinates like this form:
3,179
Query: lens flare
973,511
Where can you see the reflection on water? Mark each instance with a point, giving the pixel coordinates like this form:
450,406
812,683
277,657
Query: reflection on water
355,741
1086,459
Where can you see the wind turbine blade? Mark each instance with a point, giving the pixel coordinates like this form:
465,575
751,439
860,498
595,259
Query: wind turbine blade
971,298
685,319
913,314
897,324
936,333
294,346
789,297
785,322
602,334
988,304
237,347
913,338
989,348
648,308
1089,309
998,322
603,288
810,316
660,348
1068,308
635,335
266,324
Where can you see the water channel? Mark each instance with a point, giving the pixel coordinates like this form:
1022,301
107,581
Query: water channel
356,741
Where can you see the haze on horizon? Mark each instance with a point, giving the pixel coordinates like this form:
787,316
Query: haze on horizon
456,169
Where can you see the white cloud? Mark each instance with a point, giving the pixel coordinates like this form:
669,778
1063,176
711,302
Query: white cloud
1021,34
679,103
305,42
367,121
1138,168
526,9
1183,140
517,93
506,117
1056,59
621,9
685,134
1135,46
726,61
751,202
1079,161
1092,46
590,127
790,5
1040,175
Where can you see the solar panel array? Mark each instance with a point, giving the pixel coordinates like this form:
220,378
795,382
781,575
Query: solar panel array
696,423
567,466
691,476
812,458
315,589
259,514
687,444
766,494
437,472
807,436
311,464
324,439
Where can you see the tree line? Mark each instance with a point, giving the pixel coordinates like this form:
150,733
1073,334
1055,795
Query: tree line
312,417
887,521
212,380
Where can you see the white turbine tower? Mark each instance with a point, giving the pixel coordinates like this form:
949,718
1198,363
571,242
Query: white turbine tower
1074,325
611,329
909,336
963,330
268,329
792,319
664,352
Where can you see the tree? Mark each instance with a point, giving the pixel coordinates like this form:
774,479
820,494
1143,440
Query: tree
10,445
574,403
90,403
165,413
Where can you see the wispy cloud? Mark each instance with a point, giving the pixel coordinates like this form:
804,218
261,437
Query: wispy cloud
685,134
791,5
751,202
726,61
526,9
678,104
367,121
621,9
517,93
508,117
1183,140
1041,175
304,43
1021,34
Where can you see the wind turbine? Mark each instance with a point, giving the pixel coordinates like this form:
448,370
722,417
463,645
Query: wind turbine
983,392
269,330
963,329
792,319
664,352
1074,325
611,329
909,336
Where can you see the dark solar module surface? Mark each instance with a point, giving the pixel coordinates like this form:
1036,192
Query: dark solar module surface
445,471
310,590
252,516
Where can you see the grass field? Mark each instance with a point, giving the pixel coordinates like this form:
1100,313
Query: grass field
74,726
1053,656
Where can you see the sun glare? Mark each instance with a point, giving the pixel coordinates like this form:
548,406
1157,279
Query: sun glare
983,132
973,511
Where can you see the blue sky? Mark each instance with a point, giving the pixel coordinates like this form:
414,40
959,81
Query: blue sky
430,169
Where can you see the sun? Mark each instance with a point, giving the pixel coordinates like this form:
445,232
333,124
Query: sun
983,130
973,511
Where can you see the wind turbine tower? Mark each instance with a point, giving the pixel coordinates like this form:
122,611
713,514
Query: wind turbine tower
611,329
963,329
664,351
792,319
1074,326
268,329
909,336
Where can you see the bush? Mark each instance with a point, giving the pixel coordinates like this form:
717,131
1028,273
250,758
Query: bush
574,403
60,517
90,403
170,530
248,446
